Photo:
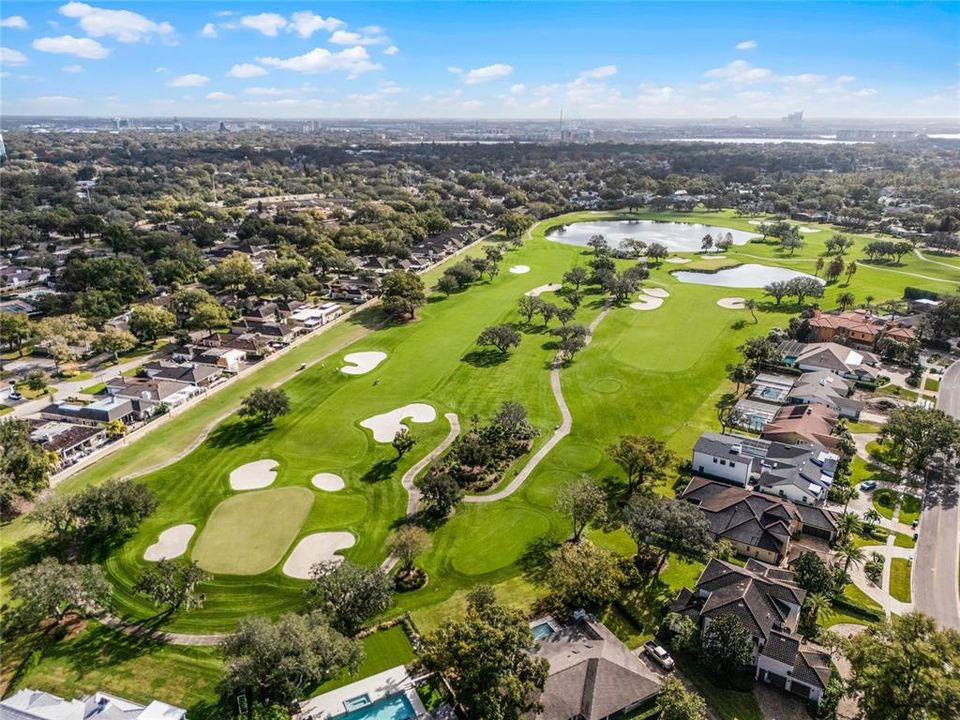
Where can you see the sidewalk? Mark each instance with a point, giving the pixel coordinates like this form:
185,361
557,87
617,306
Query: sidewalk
881,594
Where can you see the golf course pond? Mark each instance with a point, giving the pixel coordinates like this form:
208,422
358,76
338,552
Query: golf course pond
675,236
750,275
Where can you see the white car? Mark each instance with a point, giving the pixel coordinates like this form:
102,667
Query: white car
659,655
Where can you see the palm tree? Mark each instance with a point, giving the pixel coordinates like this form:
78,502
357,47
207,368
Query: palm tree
815,606
845,298
819,266
849,553
751,305
847,525
871,519
867,300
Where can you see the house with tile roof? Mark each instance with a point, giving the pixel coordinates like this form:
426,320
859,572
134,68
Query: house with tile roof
859,328
757,525
795,424
831,357
767,600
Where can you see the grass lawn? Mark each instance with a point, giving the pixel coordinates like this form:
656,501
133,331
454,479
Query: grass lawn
885,501
94,389
900,579
903,540
855,595
4,409
75,375
657,373
931,384
383,650
909,508
899,392
30,394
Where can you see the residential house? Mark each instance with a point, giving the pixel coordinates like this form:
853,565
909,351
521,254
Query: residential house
757,524
767,601
68,441
592,675
201,375
312,317
27,704
795,424
766,395
828,389
831,357
13,277
859,328
227,359
149,393
101,411
262,313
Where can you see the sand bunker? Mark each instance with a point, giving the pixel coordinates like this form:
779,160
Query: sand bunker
645,302
362,362
731,303
172,543
386,426
757,222
538,291
318,547
677,260
711,256
808,230
656,292
327,481
254,475
520,269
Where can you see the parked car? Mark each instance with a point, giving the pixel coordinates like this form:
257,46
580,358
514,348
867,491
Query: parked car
659,655
868,485
15,394
915,523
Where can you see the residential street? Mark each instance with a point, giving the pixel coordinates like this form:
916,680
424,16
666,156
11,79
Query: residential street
938,549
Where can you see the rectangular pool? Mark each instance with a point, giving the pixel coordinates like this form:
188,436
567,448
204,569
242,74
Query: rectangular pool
395,707
543,630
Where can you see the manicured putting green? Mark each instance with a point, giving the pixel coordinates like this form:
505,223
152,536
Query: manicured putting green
250,533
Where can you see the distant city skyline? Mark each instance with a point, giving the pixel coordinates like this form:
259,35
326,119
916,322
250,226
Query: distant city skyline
486,60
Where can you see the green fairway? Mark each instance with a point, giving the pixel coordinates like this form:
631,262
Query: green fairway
658,372
250,533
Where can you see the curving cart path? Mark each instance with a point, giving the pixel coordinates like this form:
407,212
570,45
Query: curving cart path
563,429
410,476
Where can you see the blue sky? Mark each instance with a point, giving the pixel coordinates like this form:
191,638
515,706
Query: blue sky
481,59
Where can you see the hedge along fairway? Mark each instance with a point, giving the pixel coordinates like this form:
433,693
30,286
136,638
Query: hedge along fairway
250,533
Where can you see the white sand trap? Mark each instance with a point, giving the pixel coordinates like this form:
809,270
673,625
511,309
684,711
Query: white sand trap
386,426
731,303
318,547
254,475
656,292
808,230
172,543
362,362
538,291
327,481
647,303
758,222
711,256
520,269
677,260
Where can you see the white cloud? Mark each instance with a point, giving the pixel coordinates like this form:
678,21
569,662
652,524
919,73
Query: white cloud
266,91
14,21
219,96
189,80
73,68
267,23
161,70
600,72
246,70
306,23
8,56
518,89
802,79
866,92
69,45
392,50
354,61
121,25
740,72
455,70
487,73
843,79
471,104
747,45
374,36
209,30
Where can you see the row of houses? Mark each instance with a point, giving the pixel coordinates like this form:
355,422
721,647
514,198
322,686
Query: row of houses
859,328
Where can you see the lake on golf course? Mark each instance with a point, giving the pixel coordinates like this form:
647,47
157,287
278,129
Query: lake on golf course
676,236
750,275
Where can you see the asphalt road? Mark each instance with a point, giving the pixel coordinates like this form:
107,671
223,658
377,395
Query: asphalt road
938,548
